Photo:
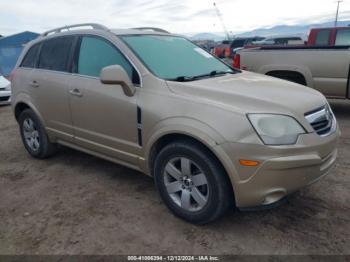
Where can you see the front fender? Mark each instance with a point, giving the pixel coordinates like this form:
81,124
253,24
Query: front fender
195,129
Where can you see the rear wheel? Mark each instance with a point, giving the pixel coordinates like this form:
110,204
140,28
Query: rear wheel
34,136
192,183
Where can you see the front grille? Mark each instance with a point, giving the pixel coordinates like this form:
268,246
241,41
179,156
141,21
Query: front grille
4,98
322,120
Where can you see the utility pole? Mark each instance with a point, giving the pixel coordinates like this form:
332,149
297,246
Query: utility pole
337,14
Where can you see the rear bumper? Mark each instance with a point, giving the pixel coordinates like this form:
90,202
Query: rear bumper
282,170
5,97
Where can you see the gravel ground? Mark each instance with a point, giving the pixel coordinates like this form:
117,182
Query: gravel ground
74,203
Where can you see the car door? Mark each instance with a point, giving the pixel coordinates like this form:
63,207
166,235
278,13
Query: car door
48,86
105,119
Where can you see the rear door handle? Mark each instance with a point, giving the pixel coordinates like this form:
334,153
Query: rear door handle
76,92
34,84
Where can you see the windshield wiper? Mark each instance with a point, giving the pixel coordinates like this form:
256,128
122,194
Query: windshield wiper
192,78
182,79
216,73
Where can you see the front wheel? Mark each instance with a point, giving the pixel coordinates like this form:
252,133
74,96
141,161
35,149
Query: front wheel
192,182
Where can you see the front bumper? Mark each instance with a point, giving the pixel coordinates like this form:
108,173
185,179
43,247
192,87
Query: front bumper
5,97
282,169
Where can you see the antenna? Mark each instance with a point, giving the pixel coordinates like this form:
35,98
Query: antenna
337,14
218,13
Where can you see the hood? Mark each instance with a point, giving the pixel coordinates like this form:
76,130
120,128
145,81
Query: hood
252,93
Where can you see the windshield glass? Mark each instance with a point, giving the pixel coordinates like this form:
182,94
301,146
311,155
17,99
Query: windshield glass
172,57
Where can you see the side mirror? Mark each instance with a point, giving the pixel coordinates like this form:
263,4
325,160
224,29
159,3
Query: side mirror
116,75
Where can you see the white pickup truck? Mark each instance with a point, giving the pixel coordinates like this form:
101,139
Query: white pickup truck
324,68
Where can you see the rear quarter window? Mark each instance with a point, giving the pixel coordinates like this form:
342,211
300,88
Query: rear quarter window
31,57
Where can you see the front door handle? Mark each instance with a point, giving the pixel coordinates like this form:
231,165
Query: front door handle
76,92
34,84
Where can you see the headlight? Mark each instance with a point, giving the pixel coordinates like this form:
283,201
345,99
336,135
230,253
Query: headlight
276,129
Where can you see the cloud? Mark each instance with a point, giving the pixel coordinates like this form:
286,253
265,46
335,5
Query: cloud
204,13
181,16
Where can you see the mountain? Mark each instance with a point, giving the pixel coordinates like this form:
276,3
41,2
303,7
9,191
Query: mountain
290,30
207,36
280,30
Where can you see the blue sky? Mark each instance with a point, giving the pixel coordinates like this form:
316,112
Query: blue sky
178,16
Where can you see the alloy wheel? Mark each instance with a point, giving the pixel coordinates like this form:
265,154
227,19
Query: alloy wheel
186,184
31,134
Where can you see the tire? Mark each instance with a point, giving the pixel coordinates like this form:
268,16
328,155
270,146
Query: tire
34,136
192,183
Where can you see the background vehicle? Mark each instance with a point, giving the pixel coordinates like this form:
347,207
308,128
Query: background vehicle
207,45
324,68
286,40
334,36
5,91
219,50
228,48
202,129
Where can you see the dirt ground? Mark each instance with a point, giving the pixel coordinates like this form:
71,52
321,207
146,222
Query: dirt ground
74,203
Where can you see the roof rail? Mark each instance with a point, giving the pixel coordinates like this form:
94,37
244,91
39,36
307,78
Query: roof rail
155,29
68,27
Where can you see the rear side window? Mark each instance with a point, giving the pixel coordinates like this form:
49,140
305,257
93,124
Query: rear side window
343,37
96,53
30,59
322,37
55,54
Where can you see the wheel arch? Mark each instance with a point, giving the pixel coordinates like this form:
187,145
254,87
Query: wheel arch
22,103
19,108
202,135
288,74
302,71
169,138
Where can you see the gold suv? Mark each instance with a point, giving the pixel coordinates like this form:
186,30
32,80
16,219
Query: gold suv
210,135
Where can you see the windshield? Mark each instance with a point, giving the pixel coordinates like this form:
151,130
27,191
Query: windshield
175,58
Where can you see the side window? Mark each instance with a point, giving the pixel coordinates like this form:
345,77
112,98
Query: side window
96,53
55,54
343,37
30,59
322,37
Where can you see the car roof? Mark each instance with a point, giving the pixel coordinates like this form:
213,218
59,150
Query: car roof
136,32
79,28
97,28
334,28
